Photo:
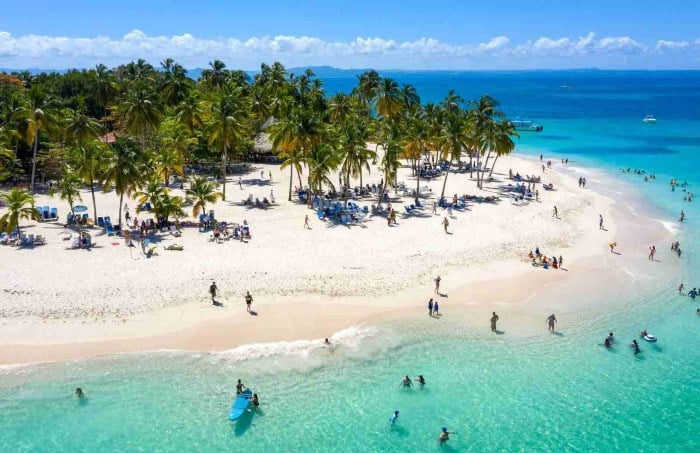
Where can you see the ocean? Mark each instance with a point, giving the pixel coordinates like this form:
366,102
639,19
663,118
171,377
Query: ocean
499,393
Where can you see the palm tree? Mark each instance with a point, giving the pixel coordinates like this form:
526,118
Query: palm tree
503,141
169,160
451,139
39,116
216,76
294,136
88,161
20,205
226,126
175,85
387,100
202,191
68,189
189,113
152,192
124,170
367,84
352,142
415,141
322,160
82,129
170,206
390,164
481,117
140,113
103,85
294,159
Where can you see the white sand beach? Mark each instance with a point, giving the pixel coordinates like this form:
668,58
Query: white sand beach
59,303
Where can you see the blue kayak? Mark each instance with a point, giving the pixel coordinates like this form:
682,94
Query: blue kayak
240,404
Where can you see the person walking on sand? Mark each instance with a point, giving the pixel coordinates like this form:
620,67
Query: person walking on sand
600,222
437,284
494,320
561,262
269,173
248,300
436,309
551,320
212,291
445,224
434,207
555,212
612,247
240,183
652,252
262,174
306,222
430,307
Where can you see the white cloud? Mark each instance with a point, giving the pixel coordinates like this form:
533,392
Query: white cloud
59,52
662,45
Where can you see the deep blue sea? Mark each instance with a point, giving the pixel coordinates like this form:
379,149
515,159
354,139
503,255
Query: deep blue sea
499,394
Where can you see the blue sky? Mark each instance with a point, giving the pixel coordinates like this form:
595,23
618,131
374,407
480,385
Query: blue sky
435,34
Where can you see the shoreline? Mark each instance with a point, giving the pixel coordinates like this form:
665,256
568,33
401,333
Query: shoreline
196,327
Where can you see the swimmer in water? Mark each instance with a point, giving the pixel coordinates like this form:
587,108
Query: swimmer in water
421,380
392,420
611,337
79,393
406,382
635,346
607,343
444,435
255,401
326,342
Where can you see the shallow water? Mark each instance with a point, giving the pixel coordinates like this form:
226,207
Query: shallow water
539,392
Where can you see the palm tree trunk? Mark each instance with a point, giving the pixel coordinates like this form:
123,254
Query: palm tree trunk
417,184
444,182
223,171
483,169
121,199
167,178
36,147
291,178
493,165
94,204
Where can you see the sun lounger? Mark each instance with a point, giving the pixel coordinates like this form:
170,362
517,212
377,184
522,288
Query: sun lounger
101,222
53,214
108,221
39,240
109,229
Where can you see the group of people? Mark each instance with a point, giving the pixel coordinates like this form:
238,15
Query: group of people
693,293
240,388
406,382
213,290
539,259
582,182
610,340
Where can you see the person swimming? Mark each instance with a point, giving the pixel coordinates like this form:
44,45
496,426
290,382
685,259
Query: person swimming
392,419
444,435
607,343
255,400
79,392
635,346
421,380
644,333
406,382
611,337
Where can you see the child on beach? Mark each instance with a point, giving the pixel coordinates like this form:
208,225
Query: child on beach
436,309
306,222
445,224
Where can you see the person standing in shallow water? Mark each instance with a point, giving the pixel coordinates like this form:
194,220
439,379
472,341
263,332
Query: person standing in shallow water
494,320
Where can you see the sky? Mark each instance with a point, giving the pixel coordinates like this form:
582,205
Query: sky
407,34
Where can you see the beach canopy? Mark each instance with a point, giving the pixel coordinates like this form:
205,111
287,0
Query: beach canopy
80,208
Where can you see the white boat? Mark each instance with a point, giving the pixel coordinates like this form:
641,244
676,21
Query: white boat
649,119
522,125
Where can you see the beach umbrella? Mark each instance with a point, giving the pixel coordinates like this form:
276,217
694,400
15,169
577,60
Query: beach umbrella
80,208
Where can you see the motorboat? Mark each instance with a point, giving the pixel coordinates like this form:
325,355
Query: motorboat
523,125
649,119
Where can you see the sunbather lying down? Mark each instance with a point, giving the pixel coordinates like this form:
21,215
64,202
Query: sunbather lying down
177,247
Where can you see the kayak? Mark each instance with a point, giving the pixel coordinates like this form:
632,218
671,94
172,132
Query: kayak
240,404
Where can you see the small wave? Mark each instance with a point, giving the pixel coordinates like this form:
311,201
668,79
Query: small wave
630,273
351,336
669,225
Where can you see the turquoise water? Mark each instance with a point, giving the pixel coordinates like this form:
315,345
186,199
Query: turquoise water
538,392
